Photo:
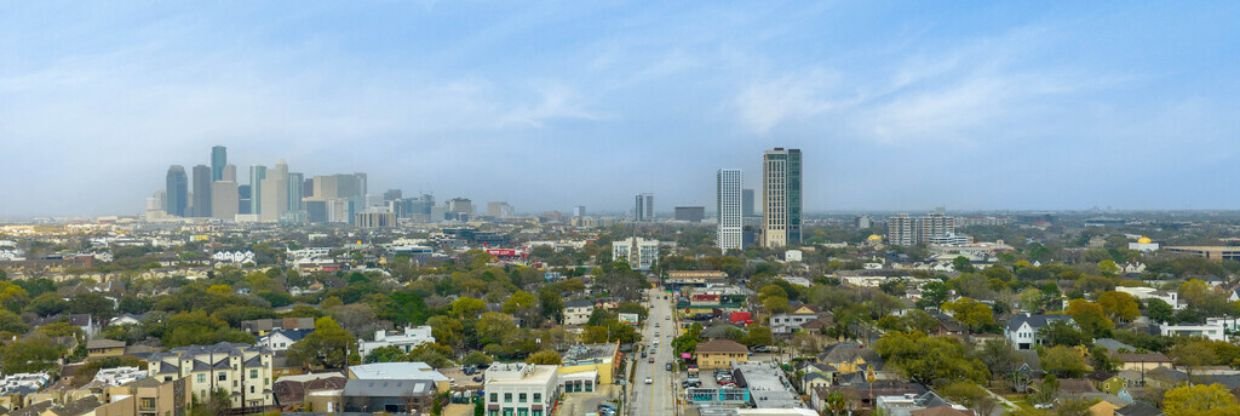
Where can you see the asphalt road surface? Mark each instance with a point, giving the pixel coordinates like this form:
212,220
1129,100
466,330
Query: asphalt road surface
658,397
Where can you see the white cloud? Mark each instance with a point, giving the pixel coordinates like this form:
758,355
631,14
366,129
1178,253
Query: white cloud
555,102
765,104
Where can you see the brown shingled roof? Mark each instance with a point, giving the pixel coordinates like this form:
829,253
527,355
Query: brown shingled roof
721,346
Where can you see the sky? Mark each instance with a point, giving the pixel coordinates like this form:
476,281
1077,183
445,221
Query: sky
900,106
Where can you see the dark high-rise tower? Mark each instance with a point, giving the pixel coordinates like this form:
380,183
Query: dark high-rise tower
202,191
243,200
219,159
176,191
747,203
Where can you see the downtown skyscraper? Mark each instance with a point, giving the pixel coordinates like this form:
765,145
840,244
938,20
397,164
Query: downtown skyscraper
176,191
273,194
257,174
728,200
781,197
202,191
219,159
225,198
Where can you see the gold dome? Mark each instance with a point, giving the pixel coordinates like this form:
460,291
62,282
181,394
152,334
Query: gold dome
1144,240
874,237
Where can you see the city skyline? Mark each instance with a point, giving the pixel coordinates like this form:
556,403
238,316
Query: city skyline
1010,106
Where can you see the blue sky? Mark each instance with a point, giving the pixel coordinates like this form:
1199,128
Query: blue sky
896,105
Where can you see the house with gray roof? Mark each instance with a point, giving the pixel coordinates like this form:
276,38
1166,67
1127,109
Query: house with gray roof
1023,330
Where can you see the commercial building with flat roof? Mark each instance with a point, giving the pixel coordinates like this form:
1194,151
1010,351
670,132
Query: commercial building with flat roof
768,388
585,366
1212,253
521,389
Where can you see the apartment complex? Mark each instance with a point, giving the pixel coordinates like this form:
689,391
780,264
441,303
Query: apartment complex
903,230
729,205
239,370
781,197
639,253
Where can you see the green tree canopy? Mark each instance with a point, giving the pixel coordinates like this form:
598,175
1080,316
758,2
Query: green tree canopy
1200,399
1119,306
975,315
1064,362
548,357
930,359
326,347
30,354
1090,317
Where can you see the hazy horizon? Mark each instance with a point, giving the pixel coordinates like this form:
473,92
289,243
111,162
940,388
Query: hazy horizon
896,107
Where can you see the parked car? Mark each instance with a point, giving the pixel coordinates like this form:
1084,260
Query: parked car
478,379
609,406
643,354
651,360
649,380
667,366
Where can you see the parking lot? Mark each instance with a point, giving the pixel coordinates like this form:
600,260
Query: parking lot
460,380
581,403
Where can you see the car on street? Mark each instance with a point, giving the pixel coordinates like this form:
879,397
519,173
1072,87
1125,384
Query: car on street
649,380
651,361
667,366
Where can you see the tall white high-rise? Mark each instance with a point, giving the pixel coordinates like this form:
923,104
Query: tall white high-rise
274,193
728,204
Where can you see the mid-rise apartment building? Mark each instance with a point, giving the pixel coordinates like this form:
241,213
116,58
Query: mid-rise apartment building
903,230
639,253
